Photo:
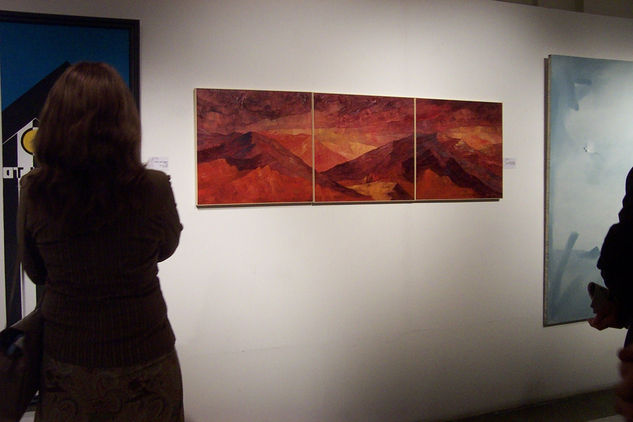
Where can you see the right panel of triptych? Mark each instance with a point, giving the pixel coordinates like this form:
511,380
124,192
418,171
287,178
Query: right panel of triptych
458,150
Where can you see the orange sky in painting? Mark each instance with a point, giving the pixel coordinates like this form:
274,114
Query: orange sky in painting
477,124
348,126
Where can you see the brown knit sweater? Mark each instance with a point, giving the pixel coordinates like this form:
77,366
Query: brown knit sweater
103,305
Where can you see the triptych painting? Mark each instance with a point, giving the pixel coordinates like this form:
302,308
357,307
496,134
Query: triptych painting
267,147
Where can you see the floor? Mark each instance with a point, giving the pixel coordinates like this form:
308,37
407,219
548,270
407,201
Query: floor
29,418
591,407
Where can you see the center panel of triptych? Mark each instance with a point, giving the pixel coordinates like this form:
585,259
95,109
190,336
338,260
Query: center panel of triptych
363,148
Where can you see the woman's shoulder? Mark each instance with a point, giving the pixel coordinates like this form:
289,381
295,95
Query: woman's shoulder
155,188
155,180
27,179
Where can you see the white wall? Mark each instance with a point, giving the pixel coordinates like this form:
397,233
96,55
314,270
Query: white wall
392,312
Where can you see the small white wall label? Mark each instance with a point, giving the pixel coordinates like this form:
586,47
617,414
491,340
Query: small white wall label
158,163
509,163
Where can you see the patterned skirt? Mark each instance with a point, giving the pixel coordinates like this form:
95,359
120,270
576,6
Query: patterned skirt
148,392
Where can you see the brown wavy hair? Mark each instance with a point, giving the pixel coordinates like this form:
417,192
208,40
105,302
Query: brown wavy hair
87,146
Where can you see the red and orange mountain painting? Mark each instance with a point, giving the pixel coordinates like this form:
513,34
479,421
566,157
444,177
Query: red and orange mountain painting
458,150
364,144
253,146
293,147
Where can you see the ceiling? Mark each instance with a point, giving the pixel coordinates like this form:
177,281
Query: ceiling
619,8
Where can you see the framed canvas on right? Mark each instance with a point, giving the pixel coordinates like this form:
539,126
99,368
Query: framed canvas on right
589,151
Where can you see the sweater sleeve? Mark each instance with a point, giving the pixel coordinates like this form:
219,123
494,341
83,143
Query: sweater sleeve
626,214
616,255
170,221
32,261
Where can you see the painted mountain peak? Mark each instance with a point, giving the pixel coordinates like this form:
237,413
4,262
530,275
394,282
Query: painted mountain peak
252,168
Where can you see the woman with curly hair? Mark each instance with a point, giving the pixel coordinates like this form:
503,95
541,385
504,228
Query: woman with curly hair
93,225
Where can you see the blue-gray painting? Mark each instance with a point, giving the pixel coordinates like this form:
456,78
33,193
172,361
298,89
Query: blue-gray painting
589,152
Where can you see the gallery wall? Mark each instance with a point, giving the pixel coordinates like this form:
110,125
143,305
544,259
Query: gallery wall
368,312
